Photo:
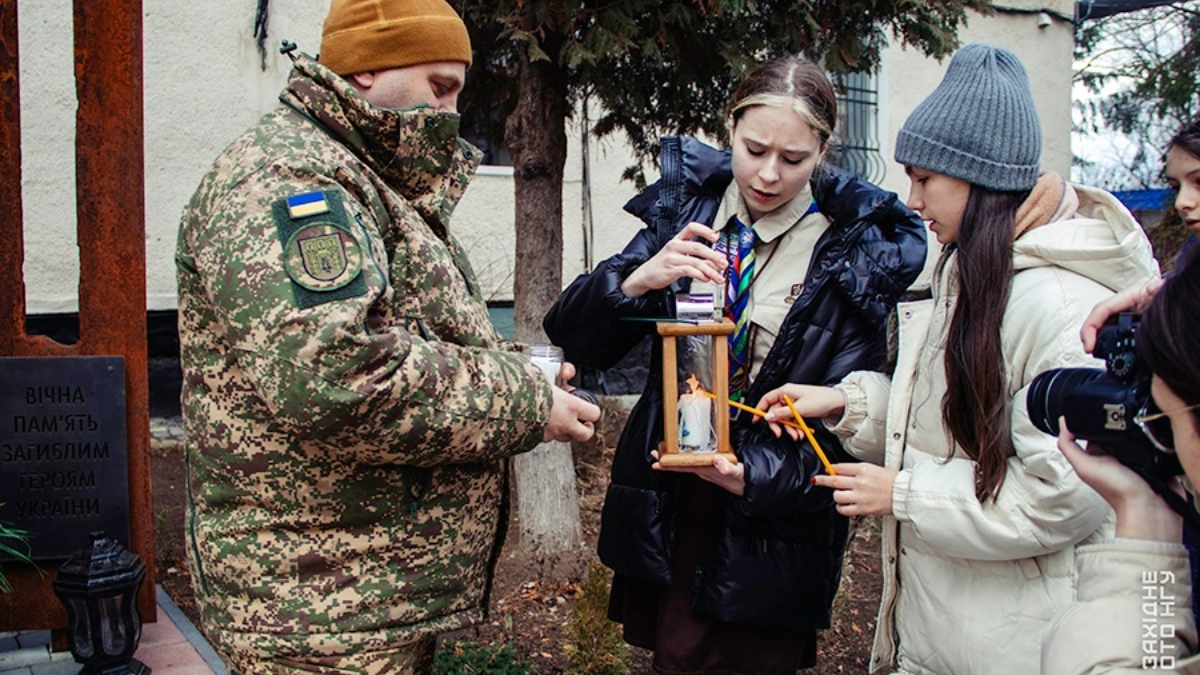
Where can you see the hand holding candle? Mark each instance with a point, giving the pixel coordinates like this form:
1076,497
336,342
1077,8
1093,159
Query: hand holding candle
798,424
809,434
755,411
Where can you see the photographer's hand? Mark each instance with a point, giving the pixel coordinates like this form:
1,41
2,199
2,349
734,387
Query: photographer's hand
1141,514
1133,299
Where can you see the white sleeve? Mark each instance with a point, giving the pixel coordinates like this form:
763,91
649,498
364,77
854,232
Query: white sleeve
1042,506
863,424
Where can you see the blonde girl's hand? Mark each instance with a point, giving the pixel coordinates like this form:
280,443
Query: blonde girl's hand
809,401
681,257
723,473
860,489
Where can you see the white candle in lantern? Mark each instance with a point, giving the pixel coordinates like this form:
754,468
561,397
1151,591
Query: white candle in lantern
695,420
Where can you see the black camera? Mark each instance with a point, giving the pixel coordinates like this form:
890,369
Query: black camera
1100,404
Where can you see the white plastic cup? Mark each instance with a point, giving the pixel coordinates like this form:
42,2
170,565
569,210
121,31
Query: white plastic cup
547,357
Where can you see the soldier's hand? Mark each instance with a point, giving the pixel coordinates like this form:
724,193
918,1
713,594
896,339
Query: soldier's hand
571,418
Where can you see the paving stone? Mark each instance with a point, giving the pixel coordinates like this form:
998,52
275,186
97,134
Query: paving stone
179,649
34,638
19,658
60,666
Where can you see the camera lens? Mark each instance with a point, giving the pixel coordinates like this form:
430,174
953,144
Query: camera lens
1045,401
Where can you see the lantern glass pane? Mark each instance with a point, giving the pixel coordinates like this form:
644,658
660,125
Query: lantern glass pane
113,636
697,426
81,637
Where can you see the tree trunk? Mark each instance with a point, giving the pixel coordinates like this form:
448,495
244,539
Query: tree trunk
547,505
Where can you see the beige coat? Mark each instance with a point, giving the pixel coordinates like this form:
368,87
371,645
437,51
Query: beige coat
1133,613
969,587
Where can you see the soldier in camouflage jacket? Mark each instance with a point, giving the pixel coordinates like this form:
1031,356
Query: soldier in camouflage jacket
348,404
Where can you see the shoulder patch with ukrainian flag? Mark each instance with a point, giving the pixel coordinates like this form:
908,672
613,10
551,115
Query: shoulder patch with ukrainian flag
320,254
307,204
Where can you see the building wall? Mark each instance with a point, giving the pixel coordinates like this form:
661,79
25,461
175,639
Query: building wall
204,85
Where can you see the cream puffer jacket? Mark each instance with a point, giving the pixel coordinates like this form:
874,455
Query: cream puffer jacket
970,587
1133,613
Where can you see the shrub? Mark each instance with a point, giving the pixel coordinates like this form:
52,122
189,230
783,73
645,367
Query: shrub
467,658
15,542
594,645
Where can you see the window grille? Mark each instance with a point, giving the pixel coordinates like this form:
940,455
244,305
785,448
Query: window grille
857,146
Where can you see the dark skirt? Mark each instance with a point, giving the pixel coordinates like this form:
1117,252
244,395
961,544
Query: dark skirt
660,618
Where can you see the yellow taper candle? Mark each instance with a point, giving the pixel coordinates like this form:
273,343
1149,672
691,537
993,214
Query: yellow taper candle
811,439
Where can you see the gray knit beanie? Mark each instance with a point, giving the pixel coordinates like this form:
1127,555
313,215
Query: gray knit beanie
979,125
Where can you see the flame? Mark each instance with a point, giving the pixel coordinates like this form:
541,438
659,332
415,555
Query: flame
694,386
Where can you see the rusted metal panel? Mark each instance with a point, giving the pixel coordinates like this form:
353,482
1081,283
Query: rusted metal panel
12,240
110,184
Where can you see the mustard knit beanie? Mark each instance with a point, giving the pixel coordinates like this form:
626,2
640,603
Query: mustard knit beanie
363,35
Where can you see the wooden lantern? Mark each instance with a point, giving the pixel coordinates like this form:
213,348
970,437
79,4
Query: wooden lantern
669,451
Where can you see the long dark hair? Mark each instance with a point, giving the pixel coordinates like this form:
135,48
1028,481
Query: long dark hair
1166,338
974,408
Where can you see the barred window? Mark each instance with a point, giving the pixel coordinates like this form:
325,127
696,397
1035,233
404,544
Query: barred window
857,146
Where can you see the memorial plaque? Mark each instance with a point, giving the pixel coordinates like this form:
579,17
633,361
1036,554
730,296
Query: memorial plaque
63,458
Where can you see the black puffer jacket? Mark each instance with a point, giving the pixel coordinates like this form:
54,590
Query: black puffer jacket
778,558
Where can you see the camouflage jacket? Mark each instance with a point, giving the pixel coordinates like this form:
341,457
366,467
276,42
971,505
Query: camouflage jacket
348,403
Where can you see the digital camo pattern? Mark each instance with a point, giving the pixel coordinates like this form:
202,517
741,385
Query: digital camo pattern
345,459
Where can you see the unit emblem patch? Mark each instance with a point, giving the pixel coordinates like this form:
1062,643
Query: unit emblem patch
322,257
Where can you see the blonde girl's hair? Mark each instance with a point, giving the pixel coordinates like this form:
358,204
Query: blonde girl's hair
788,81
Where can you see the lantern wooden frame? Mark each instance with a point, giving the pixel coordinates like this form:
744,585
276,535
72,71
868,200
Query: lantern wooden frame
669,454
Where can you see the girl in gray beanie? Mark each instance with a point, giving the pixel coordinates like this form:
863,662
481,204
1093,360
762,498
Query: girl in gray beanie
981,512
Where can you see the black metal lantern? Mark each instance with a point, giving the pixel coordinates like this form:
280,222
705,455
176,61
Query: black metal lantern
99,587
